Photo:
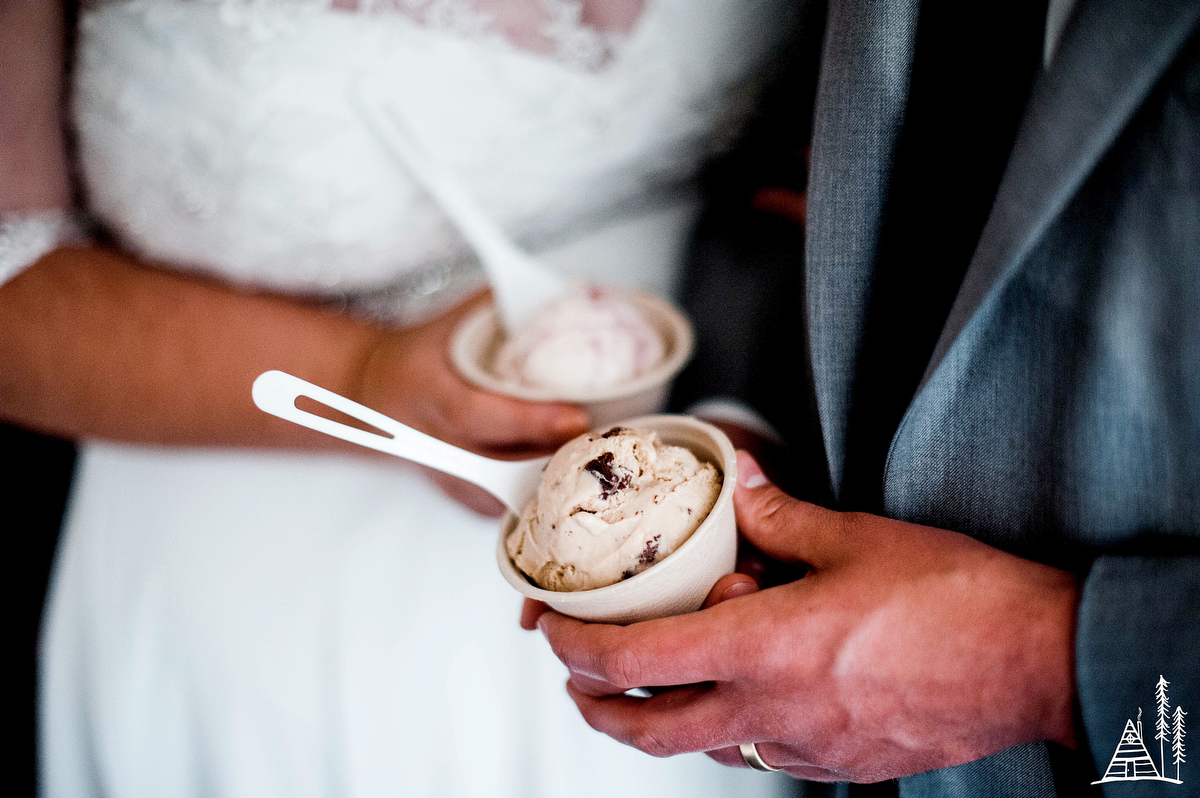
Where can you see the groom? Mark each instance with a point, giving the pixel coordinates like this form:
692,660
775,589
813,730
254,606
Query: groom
985,370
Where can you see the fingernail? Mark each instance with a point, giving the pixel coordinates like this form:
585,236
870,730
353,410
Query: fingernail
749,474
738,589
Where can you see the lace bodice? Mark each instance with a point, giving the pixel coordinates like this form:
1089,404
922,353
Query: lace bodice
220,136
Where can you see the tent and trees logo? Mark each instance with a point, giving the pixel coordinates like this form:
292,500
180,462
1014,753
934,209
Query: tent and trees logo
1132,762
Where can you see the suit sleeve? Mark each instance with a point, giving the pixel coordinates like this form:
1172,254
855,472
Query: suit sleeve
743,283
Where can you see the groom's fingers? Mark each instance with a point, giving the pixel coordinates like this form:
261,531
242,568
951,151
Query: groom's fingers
729,587
677,721
707,718
530,611
685,649
787,529
779,756
775,755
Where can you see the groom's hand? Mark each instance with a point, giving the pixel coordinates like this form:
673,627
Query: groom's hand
905,648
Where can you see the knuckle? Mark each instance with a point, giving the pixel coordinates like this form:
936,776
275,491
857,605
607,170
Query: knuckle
775,507
592,719
620,667
649,742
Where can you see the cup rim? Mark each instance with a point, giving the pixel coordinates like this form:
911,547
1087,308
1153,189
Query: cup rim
564,598
659,310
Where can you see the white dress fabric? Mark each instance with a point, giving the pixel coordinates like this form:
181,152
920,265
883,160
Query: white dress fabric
240,623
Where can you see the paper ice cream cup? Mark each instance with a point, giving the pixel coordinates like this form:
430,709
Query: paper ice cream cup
477,339
679,582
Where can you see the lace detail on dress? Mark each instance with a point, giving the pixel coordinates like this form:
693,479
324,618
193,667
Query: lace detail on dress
574,42
460,16
219,136
553,28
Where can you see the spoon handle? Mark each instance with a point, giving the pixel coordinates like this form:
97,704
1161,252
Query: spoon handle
520,282
275,392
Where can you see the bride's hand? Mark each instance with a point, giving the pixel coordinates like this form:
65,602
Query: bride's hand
408,375
96,343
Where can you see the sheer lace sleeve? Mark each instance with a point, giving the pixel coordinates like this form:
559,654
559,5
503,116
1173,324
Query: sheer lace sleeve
27,236
582,33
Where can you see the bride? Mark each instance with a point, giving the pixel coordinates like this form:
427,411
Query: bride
241,607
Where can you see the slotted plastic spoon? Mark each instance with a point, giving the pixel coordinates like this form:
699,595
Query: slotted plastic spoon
521,283
512,482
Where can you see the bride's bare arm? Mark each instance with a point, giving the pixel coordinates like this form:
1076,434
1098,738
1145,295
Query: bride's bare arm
94,343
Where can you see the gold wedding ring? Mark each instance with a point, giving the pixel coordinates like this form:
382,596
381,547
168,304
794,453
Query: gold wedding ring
750,754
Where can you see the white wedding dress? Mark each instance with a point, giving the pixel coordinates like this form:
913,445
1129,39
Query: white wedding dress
240,623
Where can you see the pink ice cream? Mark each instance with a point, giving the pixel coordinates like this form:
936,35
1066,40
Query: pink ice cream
588,340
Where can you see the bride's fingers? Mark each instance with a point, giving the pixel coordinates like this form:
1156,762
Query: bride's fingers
407,374
502,422
493,420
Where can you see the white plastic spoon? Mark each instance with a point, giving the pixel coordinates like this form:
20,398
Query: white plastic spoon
513,483
520,282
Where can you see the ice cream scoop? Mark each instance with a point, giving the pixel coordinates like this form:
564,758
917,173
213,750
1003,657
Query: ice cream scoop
610,505
589,339
520,282
512,482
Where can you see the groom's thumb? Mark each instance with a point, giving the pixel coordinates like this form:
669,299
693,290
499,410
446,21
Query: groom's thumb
784,528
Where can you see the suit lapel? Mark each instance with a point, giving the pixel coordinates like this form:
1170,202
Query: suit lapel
1111,55
859,110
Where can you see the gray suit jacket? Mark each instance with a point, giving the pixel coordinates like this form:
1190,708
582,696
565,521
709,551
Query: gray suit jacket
1059,416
